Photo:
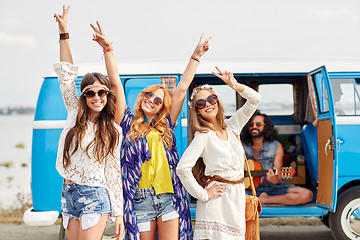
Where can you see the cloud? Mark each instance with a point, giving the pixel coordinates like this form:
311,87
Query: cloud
24,41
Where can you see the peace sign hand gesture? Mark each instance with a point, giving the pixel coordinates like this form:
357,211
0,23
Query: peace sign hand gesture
229,79
100,37
62,19
202,46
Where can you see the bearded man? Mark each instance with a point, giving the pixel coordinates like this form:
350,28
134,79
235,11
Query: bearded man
259,137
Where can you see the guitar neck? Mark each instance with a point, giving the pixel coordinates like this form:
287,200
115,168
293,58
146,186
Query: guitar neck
256,173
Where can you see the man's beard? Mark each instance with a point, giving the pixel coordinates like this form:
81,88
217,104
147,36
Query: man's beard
258,134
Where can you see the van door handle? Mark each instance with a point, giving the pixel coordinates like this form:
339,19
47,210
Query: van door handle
339,141
330,143
327,145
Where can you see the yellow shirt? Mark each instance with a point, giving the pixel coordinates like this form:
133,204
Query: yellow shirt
156,172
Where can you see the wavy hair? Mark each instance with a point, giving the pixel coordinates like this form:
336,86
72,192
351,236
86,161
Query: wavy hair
160,123
106,135
270,132
201,124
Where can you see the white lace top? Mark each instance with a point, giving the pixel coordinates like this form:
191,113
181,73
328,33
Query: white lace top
86,170
221,157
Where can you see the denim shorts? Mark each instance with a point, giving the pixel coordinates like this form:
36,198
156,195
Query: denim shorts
78,200
272,189
148,206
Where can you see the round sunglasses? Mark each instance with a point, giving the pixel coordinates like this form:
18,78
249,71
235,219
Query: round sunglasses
258,124
157,100
91,94
201,103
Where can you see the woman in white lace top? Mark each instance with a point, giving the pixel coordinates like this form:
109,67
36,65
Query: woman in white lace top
216,180
89,146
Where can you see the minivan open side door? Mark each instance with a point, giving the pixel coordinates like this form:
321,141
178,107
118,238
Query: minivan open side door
326,134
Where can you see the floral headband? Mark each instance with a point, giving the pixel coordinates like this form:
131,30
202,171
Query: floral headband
197,89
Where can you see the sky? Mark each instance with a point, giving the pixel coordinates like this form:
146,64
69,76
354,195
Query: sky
166,30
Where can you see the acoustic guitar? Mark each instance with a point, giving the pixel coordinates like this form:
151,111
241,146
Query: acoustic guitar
257,173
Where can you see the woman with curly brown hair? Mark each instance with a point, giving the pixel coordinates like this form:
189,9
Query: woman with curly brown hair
89,146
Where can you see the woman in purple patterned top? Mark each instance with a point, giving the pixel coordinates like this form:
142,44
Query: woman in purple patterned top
155,202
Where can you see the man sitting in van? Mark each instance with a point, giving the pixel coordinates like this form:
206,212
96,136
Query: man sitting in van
259,137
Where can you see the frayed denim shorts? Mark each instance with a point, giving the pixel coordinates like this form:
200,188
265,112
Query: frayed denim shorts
84,201
148,206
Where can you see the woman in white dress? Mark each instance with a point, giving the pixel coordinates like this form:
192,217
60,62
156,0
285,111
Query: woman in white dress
220,209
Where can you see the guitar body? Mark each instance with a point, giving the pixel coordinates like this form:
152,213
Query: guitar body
254,166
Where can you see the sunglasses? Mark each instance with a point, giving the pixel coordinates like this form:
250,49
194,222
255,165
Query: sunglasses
91,94
258,124
157,100
201,103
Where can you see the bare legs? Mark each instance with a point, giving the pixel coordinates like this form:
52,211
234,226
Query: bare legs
168,230
295,196
74,230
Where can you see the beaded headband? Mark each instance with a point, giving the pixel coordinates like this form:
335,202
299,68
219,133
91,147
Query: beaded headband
88,87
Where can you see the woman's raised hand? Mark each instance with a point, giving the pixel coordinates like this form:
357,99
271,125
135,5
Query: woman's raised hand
227,77
202,46
215,190
62,19
100,37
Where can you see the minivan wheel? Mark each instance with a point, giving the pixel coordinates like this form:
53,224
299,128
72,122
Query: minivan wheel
345,222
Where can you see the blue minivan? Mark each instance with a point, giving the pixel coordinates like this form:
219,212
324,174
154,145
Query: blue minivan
317,114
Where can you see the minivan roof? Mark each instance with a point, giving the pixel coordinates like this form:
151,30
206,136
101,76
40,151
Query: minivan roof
238,65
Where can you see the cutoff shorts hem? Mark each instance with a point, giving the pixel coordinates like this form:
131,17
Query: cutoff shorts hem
148,206
84,203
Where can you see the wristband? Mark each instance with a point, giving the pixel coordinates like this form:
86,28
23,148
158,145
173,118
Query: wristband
195,58
110,49
64,36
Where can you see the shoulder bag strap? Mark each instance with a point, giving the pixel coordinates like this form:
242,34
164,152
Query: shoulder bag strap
247,165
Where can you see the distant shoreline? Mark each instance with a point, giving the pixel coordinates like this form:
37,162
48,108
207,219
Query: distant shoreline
17,110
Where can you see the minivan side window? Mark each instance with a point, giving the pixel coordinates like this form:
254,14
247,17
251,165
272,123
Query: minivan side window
277,99
227,97
346,96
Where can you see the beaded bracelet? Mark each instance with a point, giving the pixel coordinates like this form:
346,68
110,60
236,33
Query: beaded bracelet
110,49
195,58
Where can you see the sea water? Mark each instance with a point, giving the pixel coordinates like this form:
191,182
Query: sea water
15,159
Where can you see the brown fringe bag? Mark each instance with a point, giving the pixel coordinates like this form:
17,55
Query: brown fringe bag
252,211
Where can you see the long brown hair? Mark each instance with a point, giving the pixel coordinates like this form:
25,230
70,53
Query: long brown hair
106,134
138,124
201,124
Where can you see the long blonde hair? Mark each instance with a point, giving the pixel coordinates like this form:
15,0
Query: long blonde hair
160,123
201,124
198,122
